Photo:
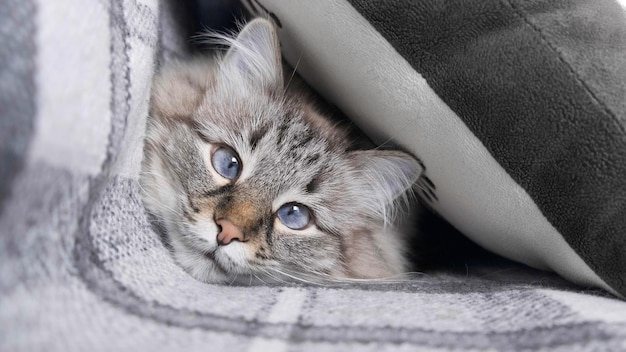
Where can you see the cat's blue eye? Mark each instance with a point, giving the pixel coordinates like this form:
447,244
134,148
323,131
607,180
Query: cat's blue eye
293,215
226,163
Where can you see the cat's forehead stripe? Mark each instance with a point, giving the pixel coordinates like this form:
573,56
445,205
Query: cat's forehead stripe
282,130
257,135
312,159
305,139
313,185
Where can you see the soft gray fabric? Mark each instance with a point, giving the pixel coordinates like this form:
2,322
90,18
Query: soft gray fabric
81,269
542,84
17,101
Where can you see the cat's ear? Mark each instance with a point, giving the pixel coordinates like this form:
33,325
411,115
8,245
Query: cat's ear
255,55
389,173
178,89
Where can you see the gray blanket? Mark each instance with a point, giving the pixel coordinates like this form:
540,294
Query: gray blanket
82,269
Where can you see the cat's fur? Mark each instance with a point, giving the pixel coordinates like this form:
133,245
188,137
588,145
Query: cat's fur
288,153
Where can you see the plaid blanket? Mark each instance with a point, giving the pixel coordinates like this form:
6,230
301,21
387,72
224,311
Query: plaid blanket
82,269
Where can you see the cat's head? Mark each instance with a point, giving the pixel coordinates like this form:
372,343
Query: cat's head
250,180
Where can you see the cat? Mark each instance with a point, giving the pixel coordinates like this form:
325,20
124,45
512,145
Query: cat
252,182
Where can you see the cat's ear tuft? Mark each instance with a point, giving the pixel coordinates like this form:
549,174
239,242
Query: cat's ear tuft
255,55
178,89
389,173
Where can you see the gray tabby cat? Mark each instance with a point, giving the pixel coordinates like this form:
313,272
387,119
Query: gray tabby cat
251,181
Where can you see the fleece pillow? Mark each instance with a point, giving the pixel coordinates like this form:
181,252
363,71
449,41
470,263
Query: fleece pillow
516,108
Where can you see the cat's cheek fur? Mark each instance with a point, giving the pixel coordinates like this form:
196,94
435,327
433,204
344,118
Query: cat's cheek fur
159,193
311,250
383,260
205,231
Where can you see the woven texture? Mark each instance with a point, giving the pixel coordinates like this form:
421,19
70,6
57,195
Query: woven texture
81,269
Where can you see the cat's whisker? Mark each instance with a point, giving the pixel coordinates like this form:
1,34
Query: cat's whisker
233,279
276,275
311,277
172,210
255,276
152,173
253,271
296,277
293,72
408,277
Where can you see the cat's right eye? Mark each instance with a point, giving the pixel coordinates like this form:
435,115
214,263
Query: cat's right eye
295,216
226,162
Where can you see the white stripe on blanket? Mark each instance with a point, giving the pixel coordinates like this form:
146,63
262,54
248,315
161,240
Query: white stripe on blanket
73,85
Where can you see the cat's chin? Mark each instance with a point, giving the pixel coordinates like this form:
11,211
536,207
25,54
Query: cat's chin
205,267
200,265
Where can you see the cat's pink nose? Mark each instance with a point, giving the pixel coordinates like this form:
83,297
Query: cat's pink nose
228,232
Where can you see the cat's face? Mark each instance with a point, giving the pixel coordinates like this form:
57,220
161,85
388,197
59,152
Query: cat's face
250,181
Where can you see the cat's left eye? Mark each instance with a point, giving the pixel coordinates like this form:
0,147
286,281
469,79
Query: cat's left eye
293,215
226,162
